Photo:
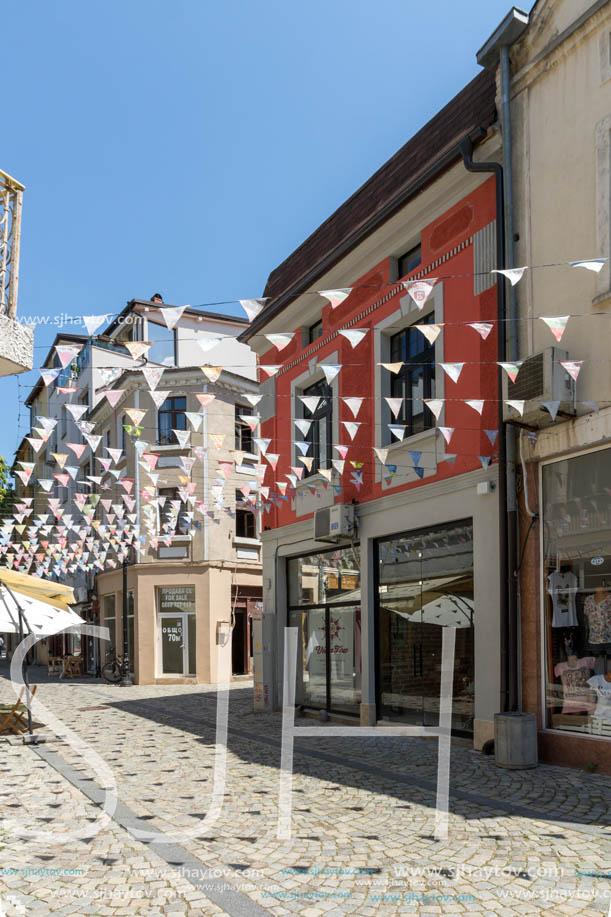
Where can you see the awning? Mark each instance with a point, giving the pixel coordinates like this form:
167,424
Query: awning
40,617
46,591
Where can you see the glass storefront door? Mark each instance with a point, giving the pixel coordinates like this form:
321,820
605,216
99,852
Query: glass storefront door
425,584
174,644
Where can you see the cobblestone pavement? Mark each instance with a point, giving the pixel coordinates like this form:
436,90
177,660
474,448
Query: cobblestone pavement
362,824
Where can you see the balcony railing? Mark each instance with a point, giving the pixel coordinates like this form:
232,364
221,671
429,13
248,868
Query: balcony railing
11,195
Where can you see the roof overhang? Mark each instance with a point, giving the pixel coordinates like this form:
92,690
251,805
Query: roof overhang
511,28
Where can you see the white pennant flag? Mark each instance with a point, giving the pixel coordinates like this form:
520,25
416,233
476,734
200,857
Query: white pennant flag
354,335
517,406
594,264
447,433
93,322
279,341
395,405
330,370
431,332
513,274
351,427
311,402
253,399
172,315
270,368
335,297
303,426
354,404
452,370
419,290
397,430
303,447
195,419
476,403
435,406
482,328
261,444
153,375
382,454
76,410
252,307
159,397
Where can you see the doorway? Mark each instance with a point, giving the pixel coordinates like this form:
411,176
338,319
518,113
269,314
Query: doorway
239,640
174,644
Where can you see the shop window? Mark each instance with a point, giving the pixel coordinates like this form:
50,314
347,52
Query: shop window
416,379
320,434
245,519
176,630
171,416
131,644
576,494
243,433
108,608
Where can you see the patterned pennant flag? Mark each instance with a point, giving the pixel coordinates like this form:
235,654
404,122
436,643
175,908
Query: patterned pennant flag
253,307
395,405
67,353
279,341
476,403
303,426
512,369
419,290
556,324
182,437
132,430
135,415
517,406
77,448
211,372
573,367
76,410
352,427
253,399
431,332
482,328
49,375
594,264
205,398
172,315
552,407
354,404
435,406
354,335
392,367
336,297
330,370
397,430
115,454
36,444
137,349
93,322
513,274
152,375
447,433
452,370
250,421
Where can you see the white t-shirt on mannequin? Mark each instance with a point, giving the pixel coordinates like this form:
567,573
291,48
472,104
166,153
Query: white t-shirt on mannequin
563,588
602,688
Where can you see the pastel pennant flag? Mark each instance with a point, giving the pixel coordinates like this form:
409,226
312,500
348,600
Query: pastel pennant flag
67,353
485,460
431,332
435,406
310,402
77,448
36,444
353,404
354,335
342,451
392,367
93,322
338,464
492,435
113,397
476,403
307,461
303,426
279,341
419,290
351,427
270,369
517,406
552,407
49,375
397,430
137,349
447,433
153,375
76,410
556,324
594,264
253,307
208,343
115,454
573,367
381,454
60,458
330,370
253,399
482,328
205,398
452,370
250,421
395,405
335,297
159,397
93,441
513,274
261,444
211,372
172,315
135,415
195,419
46,484
512,369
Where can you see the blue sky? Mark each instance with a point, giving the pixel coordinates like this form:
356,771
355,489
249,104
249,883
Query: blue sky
189,147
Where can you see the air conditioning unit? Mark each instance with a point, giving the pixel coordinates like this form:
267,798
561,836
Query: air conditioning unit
541,378
335,523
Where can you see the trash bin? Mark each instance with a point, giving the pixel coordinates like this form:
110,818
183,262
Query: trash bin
515,740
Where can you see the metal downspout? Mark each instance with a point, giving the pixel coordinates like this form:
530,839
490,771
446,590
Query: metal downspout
466,151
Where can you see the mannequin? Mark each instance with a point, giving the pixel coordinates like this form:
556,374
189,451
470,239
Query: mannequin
562,587
597,609
601,685
574,673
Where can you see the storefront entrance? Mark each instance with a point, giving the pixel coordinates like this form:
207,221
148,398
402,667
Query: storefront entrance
425,583
326,610
176,630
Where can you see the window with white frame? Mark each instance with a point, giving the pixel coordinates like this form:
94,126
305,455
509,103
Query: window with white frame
415,381
243,432
320,434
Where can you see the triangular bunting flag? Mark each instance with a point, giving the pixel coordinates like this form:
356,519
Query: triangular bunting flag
354,335
556,324
435,406
419,290
452,370
512,369
476,403
482,328
172,315
354,405
397,430
351,427
252,307
137,349
431,332
279,341
552,407
211,372
447,433
595,264
513,274
517,406
93,322
395,405
573,367
335,297
330,370
153,375
392,367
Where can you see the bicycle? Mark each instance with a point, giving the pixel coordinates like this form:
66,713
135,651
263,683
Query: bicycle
111,671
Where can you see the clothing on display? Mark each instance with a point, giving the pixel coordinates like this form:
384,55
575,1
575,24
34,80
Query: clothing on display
602,688
563,588
574,676
598,614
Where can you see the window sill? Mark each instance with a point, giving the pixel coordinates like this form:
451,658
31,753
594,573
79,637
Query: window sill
176,539
171,447
410,441
246,542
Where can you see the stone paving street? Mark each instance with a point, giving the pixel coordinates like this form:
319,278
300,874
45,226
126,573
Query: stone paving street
362,824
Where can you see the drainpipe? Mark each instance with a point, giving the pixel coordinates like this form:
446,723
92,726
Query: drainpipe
205,464
507,630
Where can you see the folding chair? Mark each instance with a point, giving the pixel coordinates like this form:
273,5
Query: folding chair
16,716
72,667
